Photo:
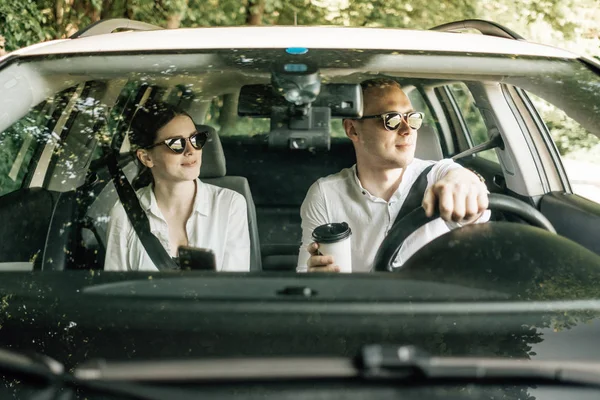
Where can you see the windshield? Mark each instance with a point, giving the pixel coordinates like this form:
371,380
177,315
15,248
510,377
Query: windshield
168,119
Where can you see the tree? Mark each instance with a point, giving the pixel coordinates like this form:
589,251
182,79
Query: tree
254,12
2,44
403,14
24,22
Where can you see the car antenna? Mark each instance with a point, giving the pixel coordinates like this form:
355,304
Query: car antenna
295,18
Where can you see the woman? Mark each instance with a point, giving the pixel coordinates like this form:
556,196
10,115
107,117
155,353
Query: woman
182,210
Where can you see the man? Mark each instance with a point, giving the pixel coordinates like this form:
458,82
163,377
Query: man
369,195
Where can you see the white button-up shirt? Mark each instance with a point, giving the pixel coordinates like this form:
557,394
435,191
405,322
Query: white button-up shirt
341,198
219,222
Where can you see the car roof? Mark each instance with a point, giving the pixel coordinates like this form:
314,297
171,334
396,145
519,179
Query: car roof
328,37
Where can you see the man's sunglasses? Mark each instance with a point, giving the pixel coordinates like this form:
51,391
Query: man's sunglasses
177,145
392,120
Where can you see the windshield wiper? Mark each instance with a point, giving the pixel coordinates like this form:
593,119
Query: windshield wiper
402,364
49,376
31,364
405,365
408,363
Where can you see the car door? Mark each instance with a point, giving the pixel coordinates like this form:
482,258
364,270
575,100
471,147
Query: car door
575,209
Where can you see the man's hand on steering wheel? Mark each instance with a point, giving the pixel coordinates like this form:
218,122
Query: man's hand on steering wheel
460,195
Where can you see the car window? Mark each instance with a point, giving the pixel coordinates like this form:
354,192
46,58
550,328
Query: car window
19,143
222,115
578,148
472,117
430,121
22,144
80,135
419,104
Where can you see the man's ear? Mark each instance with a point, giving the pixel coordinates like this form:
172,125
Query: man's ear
144,157
350,129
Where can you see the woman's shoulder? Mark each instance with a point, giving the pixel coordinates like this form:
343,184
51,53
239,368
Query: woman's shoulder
118,213
118,220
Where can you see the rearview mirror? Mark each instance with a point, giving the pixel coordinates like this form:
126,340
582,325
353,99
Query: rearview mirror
344,100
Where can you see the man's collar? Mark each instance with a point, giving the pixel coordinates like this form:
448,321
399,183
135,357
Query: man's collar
361,189
407,172
355,175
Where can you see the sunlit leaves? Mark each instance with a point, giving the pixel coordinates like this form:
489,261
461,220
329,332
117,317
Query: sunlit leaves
27,22
23,22
568,135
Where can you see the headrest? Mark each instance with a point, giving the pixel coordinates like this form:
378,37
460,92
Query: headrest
428,144
213,157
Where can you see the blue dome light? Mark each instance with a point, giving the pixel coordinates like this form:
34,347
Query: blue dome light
296,50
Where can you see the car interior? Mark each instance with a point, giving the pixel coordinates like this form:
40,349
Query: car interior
60,174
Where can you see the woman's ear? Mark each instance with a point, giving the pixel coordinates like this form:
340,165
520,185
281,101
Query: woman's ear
144,157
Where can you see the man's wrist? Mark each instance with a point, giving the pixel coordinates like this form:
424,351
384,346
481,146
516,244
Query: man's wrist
477,174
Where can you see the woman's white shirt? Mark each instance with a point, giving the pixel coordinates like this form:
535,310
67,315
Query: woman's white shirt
219,222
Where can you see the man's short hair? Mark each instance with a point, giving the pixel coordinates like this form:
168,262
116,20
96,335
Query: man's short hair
380,83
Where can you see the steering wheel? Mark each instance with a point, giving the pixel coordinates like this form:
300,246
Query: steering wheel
389,248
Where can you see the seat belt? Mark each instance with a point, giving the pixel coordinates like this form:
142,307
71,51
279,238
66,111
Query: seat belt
415,196
137,216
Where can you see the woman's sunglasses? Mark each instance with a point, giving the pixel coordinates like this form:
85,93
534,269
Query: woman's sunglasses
177,145
392,120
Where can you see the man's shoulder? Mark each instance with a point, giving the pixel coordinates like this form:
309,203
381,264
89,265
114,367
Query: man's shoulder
345,175
438,168
419,165
331,186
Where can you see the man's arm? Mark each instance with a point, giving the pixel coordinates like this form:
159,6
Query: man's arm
237,244
460,195
313,213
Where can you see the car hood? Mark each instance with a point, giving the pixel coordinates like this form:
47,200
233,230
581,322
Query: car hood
77,316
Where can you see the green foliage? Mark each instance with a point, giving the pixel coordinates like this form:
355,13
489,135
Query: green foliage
237,125
561,16
23,23
214,13
568,135
403,14
17,145
473,118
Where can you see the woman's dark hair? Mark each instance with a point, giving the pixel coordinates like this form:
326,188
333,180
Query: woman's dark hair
143,131
149,119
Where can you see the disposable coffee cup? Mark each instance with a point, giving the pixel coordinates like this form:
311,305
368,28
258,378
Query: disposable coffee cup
334,240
